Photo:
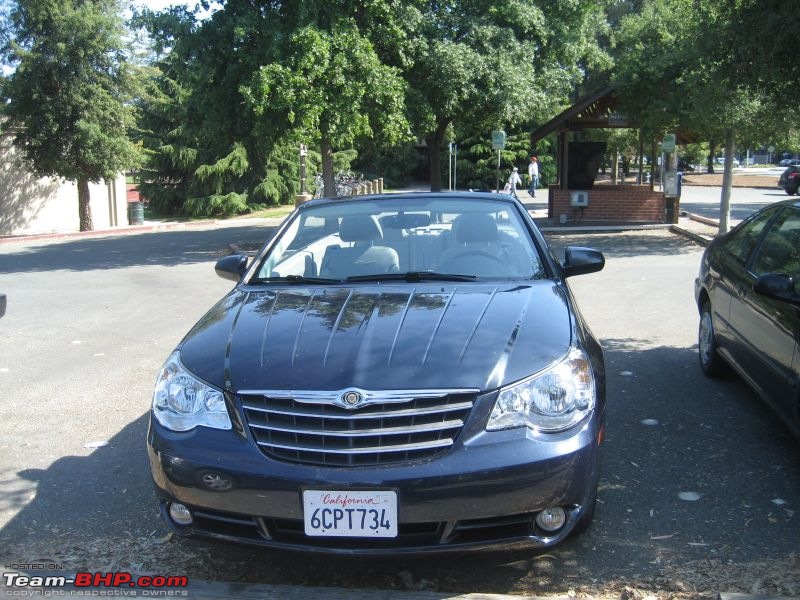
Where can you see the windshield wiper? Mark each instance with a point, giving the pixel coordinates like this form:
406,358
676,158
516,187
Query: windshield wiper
294,279
413,276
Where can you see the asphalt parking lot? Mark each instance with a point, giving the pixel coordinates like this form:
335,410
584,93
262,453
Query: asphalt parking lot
700,489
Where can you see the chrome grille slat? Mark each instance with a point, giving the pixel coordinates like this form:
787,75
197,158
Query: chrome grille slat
394,426
362,432
367,450
367,415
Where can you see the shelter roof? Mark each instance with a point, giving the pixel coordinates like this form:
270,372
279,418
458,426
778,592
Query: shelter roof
594,111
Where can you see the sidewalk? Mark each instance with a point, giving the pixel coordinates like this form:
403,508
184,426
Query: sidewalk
149,226
694,227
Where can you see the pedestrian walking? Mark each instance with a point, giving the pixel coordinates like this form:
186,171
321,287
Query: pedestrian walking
513,181
533,173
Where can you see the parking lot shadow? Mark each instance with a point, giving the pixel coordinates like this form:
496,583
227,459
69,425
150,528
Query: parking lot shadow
657,242
164,248
691,466
80,501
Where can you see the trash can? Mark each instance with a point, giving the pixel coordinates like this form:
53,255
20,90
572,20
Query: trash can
671,216
136,213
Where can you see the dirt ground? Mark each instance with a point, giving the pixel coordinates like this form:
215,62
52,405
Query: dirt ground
739,180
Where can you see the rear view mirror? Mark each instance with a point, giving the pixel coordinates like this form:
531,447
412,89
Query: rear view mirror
232,267
405,221
579,261
778,286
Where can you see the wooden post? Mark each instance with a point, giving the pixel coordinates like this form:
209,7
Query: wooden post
653,150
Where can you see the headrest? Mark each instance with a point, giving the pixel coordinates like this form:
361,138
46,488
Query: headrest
360,228
475,228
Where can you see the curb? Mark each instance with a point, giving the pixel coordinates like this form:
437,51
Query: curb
703,220
132,229
602,228
695,237
217,590
735,596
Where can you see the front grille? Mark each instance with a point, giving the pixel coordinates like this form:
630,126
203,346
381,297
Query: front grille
309,428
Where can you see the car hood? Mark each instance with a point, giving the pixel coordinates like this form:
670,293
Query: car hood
381,336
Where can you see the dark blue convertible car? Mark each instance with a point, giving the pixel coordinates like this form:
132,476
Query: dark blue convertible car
390,374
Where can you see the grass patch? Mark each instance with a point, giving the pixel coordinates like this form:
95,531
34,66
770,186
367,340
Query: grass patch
272,212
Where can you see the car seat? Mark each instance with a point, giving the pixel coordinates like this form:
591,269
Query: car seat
363,257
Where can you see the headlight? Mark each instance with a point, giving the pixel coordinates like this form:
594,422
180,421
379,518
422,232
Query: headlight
550,401
181,402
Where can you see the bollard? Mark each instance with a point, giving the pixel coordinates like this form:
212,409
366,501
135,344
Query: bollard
375,186
380,185
369,187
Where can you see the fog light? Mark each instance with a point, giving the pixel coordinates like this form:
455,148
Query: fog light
551,518
180,514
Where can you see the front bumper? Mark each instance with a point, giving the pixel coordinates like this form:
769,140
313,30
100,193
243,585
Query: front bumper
483,493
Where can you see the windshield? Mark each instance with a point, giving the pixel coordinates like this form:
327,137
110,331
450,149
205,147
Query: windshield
425,238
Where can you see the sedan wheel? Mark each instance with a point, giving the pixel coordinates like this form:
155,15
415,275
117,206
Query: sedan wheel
710,361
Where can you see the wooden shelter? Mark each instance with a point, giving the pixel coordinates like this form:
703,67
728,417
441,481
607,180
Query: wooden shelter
577,168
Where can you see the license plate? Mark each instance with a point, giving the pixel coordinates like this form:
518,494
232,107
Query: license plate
371,514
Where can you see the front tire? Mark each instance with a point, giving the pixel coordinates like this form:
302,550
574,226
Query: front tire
711,362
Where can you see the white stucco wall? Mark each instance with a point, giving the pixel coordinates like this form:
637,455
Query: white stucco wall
30,205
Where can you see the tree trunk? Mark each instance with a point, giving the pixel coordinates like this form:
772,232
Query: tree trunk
328,179
84,206
727,183
712,150
434,160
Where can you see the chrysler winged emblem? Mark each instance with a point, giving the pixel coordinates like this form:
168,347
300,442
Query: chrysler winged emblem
351,398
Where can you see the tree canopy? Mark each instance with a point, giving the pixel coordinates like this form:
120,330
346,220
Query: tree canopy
255,79
692,66
227,98
67,101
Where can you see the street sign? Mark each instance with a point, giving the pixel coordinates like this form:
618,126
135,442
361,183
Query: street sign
498,140
668,143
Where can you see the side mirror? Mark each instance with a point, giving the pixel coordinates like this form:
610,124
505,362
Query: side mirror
579,261
778,286
232,267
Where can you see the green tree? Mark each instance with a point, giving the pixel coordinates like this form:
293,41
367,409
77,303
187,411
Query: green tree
487,65
68,100
238,91
677,69
332,87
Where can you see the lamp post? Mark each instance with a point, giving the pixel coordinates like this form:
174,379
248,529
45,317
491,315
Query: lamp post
303,196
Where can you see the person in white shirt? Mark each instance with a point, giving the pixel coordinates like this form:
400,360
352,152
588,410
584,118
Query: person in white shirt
513,181
533,173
